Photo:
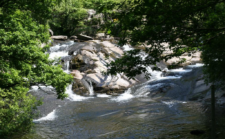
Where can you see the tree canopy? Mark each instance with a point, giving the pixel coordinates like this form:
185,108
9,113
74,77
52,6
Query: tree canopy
23,63
197,24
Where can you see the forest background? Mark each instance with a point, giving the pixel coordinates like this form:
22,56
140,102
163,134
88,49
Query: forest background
24,25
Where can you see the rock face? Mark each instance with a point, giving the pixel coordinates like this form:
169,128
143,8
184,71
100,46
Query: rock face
88,63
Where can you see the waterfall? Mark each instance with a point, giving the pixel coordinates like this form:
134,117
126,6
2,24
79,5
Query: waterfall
88,84
72,96
91,90
67,65
61,50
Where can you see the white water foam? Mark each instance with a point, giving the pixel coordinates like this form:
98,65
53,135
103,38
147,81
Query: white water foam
124,97
181,70
154,73
35,87
50,117
196,65
67,67
172,103
91,89
72,96
55,55
127,47
171,77
58,51
103,95
108,113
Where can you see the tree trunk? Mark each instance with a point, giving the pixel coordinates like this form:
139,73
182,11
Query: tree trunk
213,130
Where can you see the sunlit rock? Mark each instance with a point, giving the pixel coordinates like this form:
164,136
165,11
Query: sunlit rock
77,74
59,37
88,62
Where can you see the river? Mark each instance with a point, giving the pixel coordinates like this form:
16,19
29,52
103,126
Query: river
131,115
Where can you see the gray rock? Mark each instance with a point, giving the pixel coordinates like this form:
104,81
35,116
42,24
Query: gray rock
73,38
59,37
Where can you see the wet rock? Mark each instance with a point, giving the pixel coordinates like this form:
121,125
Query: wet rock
79,88
77,62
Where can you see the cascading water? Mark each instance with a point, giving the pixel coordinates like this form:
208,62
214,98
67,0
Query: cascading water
91,90
67,65
132,114
88,84
61,51
72,96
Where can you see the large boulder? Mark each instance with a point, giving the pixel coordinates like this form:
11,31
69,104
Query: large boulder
108,84
88,62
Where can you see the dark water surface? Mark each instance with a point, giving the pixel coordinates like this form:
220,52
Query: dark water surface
138,118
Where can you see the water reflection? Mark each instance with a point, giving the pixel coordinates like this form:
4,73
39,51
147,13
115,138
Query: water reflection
139,118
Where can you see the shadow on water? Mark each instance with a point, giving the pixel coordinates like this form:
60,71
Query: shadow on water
101,118
108,117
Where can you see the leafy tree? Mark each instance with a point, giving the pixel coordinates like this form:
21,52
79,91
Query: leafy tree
187,26
23,27
70,17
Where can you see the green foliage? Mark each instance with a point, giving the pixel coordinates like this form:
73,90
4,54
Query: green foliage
197,24
71,17
23,63
16,110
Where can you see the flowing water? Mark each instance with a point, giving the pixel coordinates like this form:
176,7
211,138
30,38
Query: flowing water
131,115
116,118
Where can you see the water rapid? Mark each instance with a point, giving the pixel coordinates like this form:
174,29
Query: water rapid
140,112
